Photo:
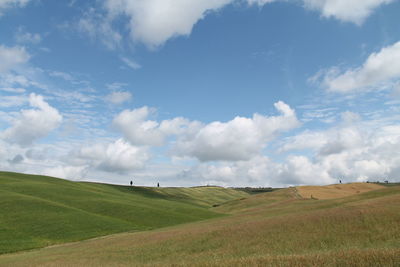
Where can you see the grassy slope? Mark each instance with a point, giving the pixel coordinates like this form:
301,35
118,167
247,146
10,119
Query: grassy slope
336,190
38,211
206,196
272,229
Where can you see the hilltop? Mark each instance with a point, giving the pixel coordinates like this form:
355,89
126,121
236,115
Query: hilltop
336,190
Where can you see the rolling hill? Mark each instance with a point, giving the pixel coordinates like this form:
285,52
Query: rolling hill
336,190
271,229
38,211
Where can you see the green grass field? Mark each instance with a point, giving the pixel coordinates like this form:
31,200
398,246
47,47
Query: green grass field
38,211
278,228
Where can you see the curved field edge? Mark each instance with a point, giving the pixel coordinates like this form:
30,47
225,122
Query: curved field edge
38,211
361,230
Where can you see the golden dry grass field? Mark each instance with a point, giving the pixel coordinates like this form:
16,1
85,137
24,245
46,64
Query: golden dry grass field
336,190
270,229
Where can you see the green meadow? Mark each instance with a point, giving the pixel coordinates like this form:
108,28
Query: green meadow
38,211
183,227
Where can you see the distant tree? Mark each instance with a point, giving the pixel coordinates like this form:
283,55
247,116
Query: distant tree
158,184
131,183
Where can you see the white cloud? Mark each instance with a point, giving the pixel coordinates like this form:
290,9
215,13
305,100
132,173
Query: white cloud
131,63
344,136
118,98
12,101
260,171
300,170
138,130
306,140
21,36
4,4
356,153
351,151
11,80
62,75
66,172
355,11
33,124
259,2
11,57
13,90
240,173
238,139
115,86
119,156
379,68
153,22
99,28
14,82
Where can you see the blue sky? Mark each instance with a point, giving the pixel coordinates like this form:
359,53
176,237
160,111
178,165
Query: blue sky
190,92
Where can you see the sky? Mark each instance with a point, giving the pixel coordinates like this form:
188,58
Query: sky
263,93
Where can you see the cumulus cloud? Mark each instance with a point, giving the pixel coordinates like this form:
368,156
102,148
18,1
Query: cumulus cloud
355,11
119,156
260,171
33,124
301,170
351,151
66,172
11,57
138,130
238,139
257,171
118,98
344,136
380,67
153,22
